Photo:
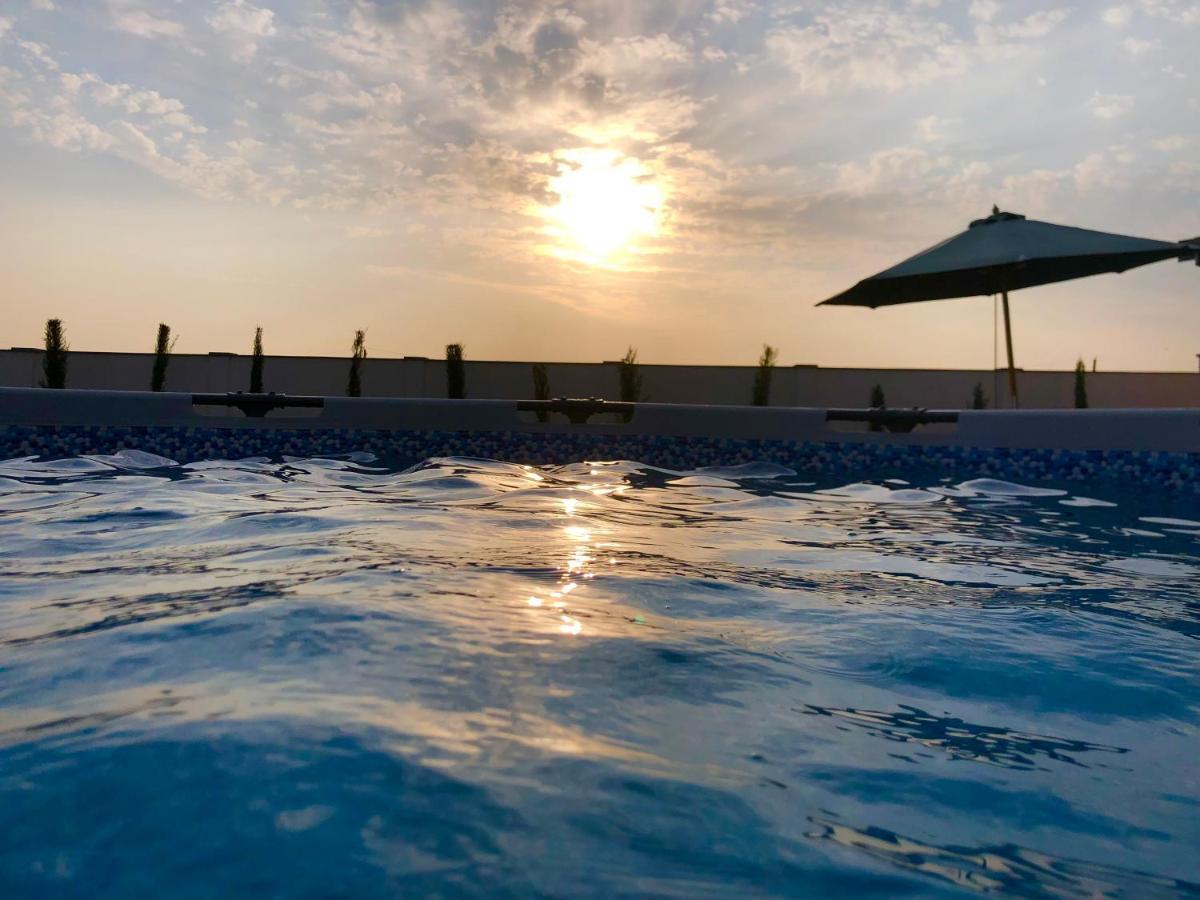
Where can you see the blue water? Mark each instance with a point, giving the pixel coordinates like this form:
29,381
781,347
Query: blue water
326,678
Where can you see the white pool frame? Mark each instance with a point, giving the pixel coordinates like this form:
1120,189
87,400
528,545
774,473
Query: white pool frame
1137,430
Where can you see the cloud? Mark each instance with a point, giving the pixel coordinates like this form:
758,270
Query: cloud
1031,28
245,146
361,232
1042,191
1171,144
1110,106
1117,16
137,101
867,47
767,127
1137,47
929,129
984,10
82,112
63,130
244,25
909,171
1181,12
623,57
731,11
136,143
145,24
322,101
241,16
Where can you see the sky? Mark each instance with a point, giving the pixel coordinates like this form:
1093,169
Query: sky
563,180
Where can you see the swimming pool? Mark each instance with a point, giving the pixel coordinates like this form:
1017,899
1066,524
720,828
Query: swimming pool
308,676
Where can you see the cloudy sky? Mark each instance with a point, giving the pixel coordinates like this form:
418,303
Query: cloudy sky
560,180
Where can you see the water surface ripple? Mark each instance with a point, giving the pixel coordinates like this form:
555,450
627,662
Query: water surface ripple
318,677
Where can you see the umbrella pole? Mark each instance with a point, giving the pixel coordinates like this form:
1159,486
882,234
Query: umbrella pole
1012,369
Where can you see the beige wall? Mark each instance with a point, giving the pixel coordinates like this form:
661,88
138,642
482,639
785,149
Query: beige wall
792,386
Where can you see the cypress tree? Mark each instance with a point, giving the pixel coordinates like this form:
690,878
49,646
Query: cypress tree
979,398
761,395
162,356
1081,398
358,352
456,373
256,363
54,363
541,388
878,401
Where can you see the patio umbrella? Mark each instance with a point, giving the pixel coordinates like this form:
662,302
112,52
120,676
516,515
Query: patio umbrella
1006,252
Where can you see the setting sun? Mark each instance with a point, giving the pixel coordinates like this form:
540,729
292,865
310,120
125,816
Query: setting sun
606,203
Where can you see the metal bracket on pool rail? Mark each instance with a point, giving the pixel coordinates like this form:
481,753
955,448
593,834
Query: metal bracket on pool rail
255,406
577,410
895,420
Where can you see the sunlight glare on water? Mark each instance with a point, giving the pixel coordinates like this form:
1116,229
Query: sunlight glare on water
318,677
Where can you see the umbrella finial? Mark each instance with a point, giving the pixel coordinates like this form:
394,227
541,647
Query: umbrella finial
995,210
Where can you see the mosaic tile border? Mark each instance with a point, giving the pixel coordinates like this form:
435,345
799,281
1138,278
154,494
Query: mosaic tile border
1174,471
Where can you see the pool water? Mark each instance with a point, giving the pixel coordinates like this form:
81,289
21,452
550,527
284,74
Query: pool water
328,677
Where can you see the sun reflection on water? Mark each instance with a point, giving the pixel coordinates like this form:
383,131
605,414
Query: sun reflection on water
583,545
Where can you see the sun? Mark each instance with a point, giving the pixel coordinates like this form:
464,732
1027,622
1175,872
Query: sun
606,204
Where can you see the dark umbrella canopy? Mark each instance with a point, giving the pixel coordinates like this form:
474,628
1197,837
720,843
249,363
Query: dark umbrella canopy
1006,252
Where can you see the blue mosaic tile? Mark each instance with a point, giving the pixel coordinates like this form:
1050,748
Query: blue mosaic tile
1175,471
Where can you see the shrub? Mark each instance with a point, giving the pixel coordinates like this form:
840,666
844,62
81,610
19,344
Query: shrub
163,345
630,380
761,395
358,352
630,375
256,363
456,373
54,363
